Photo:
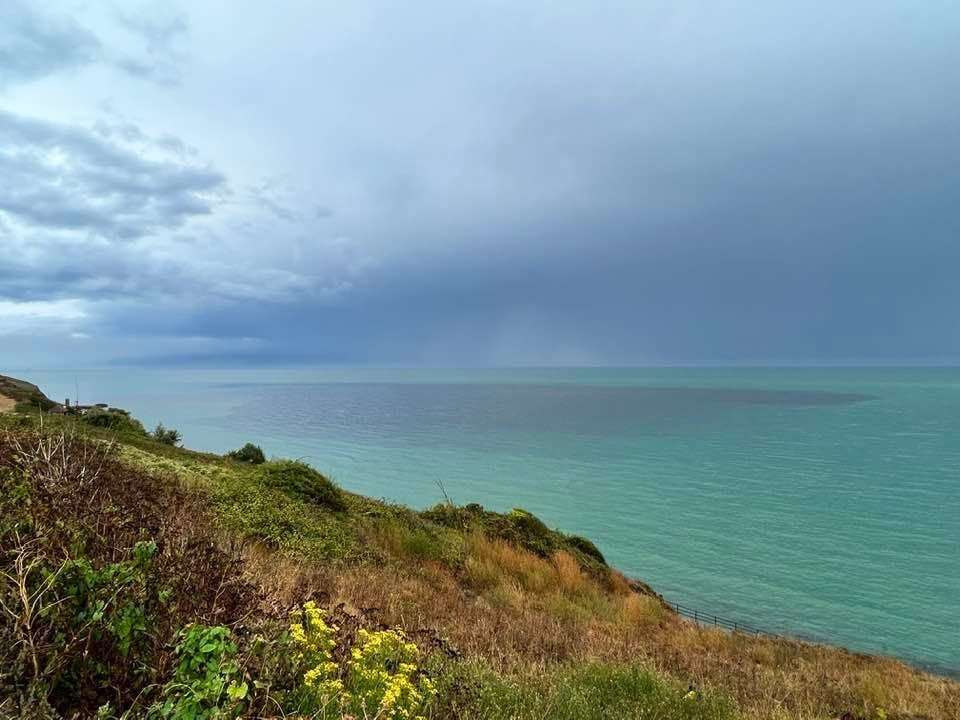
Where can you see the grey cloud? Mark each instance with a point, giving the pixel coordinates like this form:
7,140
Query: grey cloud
39,41
662,182
34,44
66,177
268,196
161,33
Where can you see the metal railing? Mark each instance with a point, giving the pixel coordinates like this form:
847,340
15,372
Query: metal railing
704,618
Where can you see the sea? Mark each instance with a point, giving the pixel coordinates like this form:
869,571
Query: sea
823,503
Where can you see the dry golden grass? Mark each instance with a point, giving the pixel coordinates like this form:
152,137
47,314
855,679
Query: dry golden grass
522,613
641,610
569,575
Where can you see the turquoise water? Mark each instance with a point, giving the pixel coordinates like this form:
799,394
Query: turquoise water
819,502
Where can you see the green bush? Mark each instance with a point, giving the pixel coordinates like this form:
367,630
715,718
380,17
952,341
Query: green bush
586,547
532,533
249,453
167,436
298,480
112,420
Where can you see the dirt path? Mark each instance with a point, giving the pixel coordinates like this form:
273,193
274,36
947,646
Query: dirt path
6,404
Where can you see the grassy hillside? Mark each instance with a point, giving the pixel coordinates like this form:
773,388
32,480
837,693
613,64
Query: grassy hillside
20,391
145,580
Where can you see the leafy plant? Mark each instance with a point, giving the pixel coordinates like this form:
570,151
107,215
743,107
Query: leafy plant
207,681
110,600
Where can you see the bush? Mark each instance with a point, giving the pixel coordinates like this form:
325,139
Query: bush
300,481
167,436
249,453
532,533
113,420
586,547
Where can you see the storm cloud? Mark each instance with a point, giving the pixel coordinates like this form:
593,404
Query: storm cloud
483,183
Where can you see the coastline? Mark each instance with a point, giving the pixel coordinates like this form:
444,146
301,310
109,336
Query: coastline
464,570
623,494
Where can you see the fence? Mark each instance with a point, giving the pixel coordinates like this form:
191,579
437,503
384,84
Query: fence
702,618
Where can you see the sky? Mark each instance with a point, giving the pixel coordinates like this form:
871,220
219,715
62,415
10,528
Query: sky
479,183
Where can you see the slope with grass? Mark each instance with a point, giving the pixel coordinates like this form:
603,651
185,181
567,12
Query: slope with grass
13,391
124,558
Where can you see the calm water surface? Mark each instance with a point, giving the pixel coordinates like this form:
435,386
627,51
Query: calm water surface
821,502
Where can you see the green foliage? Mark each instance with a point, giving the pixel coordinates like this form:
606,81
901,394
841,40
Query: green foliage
71,630
583,692
249,453
299,480
247,506
586,547
207,681
112,420
254,510
167,436
111,600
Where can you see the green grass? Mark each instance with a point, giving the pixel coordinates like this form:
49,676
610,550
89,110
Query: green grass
584,692
300,481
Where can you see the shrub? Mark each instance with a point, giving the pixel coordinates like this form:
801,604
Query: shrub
300,481
167,436
532,533
586,547
207,682
249,453
113,420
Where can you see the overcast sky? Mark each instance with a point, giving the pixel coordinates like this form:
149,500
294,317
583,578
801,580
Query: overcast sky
473,183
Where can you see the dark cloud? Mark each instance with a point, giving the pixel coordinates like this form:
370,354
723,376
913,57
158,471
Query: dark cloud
602,182
65,177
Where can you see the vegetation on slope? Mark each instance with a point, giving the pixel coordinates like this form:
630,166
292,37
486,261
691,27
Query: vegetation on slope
153,581
23,393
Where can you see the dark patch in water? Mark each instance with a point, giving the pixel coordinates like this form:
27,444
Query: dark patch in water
425,409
